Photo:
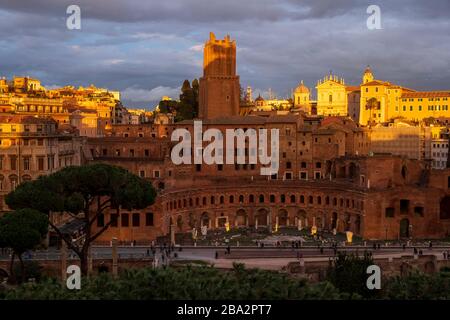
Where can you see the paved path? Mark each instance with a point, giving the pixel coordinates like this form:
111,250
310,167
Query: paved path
208,254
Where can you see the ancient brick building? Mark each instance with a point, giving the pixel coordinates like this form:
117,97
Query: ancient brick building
219,86
326,177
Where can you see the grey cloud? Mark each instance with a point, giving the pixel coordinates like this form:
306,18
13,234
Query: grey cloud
142,45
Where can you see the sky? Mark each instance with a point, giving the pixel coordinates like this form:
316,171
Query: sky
146,48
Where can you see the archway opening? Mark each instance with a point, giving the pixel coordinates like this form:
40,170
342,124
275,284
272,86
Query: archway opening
241,218
262,217
282,218
334,220
404,228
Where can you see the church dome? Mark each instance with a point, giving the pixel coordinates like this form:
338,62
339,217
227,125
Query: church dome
301,88
259,99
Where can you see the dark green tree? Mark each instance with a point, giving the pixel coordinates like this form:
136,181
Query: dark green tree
188,105
22,230
85,193
168,106
348,273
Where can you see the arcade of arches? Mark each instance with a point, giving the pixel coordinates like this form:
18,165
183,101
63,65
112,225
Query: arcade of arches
246,207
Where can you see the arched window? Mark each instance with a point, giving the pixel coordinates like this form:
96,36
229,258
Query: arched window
231,199
302,199
292,198
261,198
222,199
241,199
213,200
204,201
251,198
283,198
272,198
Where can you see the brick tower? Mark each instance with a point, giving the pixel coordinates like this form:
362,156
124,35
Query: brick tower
219,86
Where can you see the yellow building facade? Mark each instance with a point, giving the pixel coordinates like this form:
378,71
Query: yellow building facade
382,101
332,96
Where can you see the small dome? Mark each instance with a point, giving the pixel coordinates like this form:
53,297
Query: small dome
259,98
368,70
301,88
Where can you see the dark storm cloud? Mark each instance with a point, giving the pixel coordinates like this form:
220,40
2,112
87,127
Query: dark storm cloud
146,48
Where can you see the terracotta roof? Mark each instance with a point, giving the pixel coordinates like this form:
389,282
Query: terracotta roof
426,94
25,119
377,83
353,88
237,120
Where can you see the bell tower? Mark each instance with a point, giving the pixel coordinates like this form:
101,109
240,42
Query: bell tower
368,75
219,86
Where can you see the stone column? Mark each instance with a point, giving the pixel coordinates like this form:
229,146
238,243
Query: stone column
63,261
114,257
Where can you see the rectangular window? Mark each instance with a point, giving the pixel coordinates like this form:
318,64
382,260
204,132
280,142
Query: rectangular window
40,163
404,206
26,163
156,174
389,212
101,220
149,219
147,152
142,174
418,211
125,220
13,163
304,175
136,219
114,220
